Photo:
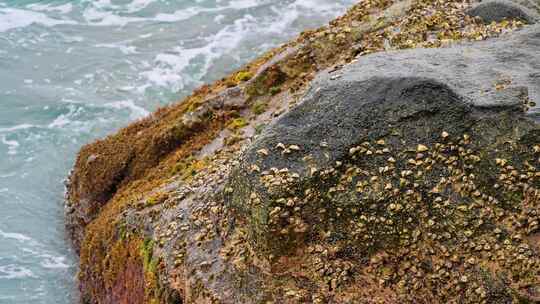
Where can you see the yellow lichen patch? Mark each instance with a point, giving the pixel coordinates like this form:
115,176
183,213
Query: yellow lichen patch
237,123
243,76
157,198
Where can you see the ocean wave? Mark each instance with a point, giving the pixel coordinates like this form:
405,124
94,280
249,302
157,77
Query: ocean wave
138,5
54,262
9,272
97,17
137,112
12,18
15,236
126,50
15,128
64,119
11,144
63,9
170,69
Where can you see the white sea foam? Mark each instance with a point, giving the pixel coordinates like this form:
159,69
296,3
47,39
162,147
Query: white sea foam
15,128
9,272
103,13
7,175
137,5
137,112
12,18
64,119
168,68
243,4
15,236
12,145
60,121
95,16
63,9
190,12
179,15
54,262
219,18
123,48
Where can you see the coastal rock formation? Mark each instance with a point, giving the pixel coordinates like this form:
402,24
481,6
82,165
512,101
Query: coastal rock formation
330,171
404,150
499,10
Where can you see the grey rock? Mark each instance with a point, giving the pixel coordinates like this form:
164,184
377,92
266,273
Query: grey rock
498,10
416,93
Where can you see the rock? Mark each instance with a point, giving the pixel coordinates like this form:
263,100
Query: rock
231,98
498,10
91,159
406,100
415,95
388,184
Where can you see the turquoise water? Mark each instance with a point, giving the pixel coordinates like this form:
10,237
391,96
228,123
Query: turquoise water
73,71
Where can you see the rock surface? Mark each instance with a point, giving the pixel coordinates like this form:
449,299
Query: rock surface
402,98
499,10
398,177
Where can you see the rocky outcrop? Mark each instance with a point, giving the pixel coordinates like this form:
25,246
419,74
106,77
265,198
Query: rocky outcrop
499,10
407,150
330,172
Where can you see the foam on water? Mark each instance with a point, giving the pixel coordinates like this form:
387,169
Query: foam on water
74,71
15,236
15,272
63,9
136,112
11,144
16,18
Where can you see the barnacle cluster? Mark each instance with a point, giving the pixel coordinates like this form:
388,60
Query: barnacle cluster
432,222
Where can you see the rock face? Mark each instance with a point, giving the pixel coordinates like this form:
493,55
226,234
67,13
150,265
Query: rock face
499,10
407,152
408,176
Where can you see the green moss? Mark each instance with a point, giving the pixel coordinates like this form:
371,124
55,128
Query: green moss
259,128
259,107
271,79
152,266
243,76
156,198
274,90
147,249
122,231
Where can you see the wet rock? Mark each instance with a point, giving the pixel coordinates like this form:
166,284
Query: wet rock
498,10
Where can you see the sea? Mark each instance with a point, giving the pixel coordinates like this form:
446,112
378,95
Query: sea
75,71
